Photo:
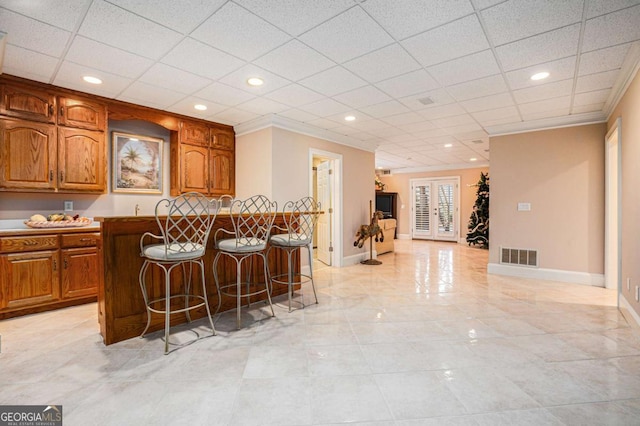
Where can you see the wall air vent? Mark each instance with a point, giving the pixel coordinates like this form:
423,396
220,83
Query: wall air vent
520,257
383,172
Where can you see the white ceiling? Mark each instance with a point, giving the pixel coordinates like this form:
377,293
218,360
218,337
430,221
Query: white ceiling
323,60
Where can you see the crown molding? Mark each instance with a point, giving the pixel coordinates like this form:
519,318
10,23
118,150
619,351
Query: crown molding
458,166
547,124
274,120
628,72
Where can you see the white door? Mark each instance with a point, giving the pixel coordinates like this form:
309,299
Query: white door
323,228
434,204
612,211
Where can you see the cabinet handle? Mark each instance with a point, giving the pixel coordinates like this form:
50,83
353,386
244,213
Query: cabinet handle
50,109
61,111
61,176
30,243
66,263
50,175
55,265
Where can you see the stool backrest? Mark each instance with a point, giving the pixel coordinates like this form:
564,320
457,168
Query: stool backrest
252,219
189,219
300,218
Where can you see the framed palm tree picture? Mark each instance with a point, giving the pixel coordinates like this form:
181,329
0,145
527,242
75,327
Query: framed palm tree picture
136,164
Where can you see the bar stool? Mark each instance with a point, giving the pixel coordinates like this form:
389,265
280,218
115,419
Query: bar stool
182,243
300,218
252,220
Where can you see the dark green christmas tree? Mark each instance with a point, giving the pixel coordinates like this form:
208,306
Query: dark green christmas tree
479,222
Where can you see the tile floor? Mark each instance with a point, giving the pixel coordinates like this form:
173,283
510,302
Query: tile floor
426,338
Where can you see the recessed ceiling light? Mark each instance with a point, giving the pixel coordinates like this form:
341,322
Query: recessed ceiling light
473,159
448,145
200,107
255,81
540,76
91,79
349,118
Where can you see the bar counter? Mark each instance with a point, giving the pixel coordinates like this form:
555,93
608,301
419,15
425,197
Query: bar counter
121,309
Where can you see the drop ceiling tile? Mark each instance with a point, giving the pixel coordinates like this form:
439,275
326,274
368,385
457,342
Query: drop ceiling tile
614,28
348,131
581,109
185,107
296,17
360,118
484,4
442,111
456,120
545,47
409,17
500,121
487,116
29,64
294,61
97,55
371,126
294,95
596,8
551,105
116,27
323,123
238,79
148,95
325,107
362,96
439,97
543,91
478,88
594,97
402,138
404,118
62,14
488,102
462,129
172,14
70,76
223,94
180,81
33,35
547,113
383,64
239,32
591,82
348,35
333,81
517,19
233,116
298,115
450,41
420,126
471,138
432,134
561,69
408,84
262,106
603,60
198,58
385,109
471,67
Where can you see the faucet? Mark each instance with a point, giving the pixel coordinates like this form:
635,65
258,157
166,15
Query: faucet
137,209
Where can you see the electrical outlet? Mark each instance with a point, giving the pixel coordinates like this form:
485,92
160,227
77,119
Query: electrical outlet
68,206
637,294
628,283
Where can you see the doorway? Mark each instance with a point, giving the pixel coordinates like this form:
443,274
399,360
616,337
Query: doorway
613,172
326,187
434,208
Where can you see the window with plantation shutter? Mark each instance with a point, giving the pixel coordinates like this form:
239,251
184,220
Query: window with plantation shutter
434,208
445,208
422,207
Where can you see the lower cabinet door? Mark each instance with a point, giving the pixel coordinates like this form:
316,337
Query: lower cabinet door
79,272
29,278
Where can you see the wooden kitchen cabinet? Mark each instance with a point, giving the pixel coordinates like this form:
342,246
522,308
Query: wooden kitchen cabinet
43,272
81,113
27,102
81,160
202,160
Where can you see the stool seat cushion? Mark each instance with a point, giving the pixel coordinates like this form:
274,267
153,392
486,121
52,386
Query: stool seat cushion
174,252
290,240
241,245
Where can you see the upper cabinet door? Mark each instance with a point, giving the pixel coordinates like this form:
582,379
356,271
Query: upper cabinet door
223,139
82,113
81,160
27,155
194,168
194,133
27,103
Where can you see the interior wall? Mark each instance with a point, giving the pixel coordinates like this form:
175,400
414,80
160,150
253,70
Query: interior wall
628,109
560,173
254,156
23,205
399,183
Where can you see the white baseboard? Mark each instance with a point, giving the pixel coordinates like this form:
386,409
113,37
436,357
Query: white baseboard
596,280
404,236
355,259
628,310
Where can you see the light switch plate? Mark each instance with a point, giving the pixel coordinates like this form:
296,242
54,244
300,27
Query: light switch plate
524,207
68,206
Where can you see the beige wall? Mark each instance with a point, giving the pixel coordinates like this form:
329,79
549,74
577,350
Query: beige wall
287,174
400,183
561,173
628,109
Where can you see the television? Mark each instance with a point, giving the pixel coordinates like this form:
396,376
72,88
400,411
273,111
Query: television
386,203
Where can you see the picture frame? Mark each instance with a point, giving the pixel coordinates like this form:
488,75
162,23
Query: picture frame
136,163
